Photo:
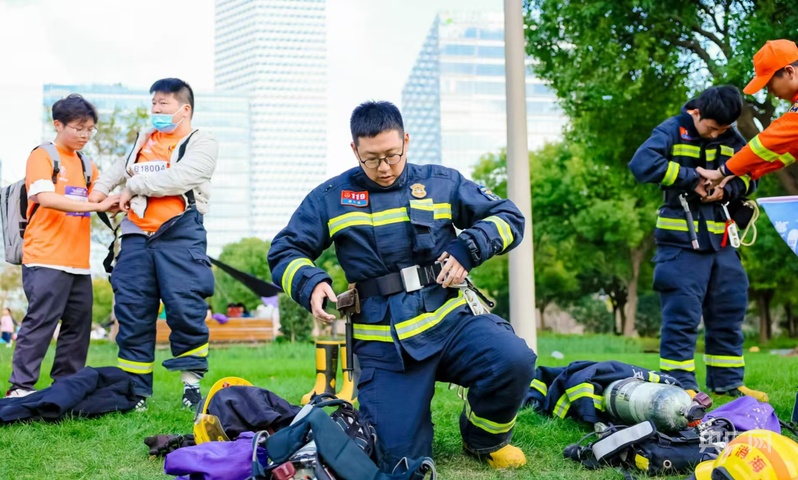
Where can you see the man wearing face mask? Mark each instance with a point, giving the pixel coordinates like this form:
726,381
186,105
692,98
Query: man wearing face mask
166,178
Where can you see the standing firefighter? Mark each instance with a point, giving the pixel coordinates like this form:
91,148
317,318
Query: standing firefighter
167,178
393,225
698,273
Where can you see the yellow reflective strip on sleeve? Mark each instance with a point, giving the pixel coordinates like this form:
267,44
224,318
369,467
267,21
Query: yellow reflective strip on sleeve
653,377
562,406
747,181
727,361
377,333
686,151
201,351
769,155
598,402
488,425
504,230
443,211
290,271
671,174
140,368
539,386
667,365
761,151
711,154
425,321
726,151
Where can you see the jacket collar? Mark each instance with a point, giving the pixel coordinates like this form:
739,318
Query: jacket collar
362,180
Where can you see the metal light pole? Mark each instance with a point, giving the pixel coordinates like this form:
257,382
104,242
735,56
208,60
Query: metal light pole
522,271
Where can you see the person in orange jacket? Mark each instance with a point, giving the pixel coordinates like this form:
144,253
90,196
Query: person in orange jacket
776,67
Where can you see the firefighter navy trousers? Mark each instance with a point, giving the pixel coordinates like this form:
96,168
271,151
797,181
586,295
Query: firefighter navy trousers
695,283
170,265
483,355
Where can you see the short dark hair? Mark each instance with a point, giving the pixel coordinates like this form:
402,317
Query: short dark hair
724,104
74,107
181,90
371,118
780,72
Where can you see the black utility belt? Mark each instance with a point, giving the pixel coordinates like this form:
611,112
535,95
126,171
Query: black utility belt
408,279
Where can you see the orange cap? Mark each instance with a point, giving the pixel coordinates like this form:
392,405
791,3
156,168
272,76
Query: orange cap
775,55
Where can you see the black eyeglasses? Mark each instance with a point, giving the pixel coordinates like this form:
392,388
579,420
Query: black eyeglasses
389,159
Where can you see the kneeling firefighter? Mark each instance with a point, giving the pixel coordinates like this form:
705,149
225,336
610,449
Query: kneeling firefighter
393,225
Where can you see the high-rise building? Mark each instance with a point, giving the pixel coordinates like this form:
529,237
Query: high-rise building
225,115
454,103
275,51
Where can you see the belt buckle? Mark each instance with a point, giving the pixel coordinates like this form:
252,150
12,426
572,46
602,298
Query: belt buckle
410,278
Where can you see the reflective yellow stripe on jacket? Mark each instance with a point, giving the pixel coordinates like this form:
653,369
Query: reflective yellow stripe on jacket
290,271
769,155
680,225
684,150
573,394
425,321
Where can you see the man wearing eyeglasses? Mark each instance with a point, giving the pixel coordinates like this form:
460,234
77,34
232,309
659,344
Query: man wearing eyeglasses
56,275
166,178
394,225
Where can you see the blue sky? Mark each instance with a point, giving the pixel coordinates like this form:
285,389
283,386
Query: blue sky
372,45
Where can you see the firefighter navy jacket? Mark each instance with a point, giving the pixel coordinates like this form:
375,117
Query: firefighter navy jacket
669,158
577,390
380,230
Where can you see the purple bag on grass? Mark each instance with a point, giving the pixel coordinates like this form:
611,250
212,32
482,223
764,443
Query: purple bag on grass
747,413
215,460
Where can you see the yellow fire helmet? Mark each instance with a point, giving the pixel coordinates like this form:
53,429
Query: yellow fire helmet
207,428
753,455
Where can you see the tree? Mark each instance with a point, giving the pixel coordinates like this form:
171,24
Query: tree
296,323
11,294
613,61
771,266
103,300
247,255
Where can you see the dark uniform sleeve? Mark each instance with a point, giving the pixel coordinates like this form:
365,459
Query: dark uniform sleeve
295,248
739,186
652,163
489,225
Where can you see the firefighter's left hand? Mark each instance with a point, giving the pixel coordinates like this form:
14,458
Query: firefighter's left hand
716,195
452,272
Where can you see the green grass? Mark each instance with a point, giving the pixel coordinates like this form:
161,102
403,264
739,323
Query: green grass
112,446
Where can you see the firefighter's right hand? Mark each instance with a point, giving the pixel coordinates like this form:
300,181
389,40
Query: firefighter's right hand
322,291
701,189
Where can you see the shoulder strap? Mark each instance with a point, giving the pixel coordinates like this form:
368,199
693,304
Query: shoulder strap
52,152
180,152
87,170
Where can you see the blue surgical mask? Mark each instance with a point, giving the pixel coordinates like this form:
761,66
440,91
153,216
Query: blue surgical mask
163,121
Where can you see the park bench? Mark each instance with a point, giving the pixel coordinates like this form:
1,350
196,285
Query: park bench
236,330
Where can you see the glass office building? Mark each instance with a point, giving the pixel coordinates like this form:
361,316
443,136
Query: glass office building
454,101
275,51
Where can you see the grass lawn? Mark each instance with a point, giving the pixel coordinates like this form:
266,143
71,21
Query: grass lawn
112,446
